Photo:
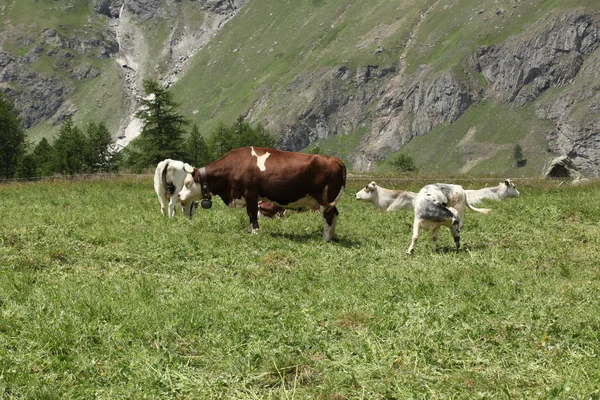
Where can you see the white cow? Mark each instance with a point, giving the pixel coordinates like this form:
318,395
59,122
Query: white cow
504,190
386,199
168,181
440,204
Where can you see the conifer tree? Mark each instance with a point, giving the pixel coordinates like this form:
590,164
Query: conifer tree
12,138
163,127
222,140
197,148
68,150
100,151
42,154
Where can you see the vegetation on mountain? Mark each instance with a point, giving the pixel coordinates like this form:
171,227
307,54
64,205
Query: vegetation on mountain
362,80
12,138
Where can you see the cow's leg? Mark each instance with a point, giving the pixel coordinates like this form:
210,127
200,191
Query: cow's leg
415,236
163,203
329,220
455,228
252,210
434,235
172,202
188,208
163,206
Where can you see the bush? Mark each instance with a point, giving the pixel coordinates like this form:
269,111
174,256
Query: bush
404,163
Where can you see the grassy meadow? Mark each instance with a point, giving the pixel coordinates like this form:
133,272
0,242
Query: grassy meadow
102,297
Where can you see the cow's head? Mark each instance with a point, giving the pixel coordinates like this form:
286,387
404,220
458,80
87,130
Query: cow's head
367,193
192,190
511,189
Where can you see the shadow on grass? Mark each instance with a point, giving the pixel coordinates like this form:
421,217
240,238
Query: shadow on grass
316,237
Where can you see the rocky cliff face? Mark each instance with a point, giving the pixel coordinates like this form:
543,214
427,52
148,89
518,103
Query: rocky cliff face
139,59
41,96
560,52
335,104
45,96
554,64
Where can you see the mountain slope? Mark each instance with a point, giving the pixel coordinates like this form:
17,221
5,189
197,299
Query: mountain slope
456,84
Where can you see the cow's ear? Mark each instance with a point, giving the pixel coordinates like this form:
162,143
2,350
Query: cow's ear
196,175
507,182
188,168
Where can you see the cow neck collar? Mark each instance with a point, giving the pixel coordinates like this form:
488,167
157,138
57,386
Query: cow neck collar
204,184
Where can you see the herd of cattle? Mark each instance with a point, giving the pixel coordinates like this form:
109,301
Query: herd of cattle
270,181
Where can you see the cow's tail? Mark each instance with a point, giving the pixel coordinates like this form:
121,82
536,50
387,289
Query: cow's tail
479,210
169,186
330,205
343,169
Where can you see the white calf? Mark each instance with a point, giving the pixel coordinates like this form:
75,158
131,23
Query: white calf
502,191
168,181
440,204
386,199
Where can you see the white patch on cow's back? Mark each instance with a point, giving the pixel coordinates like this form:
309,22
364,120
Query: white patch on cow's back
260,160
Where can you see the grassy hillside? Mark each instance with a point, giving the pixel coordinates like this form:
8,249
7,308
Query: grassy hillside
271,59
267,56
482,142
272,50
105,298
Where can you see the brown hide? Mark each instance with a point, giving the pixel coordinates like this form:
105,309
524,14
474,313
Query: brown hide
280,177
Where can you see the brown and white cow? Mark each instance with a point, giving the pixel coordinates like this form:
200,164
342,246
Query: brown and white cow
247,175
437,205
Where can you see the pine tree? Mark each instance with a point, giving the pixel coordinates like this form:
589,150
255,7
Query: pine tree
520,159
163,127
222,140
69,149
263,137
100,148
197,148
43,156
404,163
12,138
27,167
239,134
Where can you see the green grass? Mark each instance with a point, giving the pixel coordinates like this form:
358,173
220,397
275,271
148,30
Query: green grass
102,297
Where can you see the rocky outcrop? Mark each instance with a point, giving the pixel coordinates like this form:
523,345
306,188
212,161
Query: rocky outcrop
526,65
45,96
413,106
335,104
134,55
561,167
41,96
561,51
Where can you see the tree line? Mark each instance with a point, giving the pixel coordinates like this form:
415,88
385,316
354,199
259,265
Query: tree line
89,149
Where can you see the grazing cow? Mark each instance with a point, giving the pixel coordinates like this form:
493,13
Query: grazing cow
386,199
502,191
168,181
246,175
440,204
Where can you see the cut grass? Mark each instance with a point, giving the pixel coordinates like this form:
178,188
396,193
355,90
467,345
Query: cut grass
101,296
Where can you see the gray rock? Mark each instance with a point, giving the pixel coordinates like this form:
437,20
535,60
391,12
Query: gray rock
562,167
